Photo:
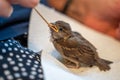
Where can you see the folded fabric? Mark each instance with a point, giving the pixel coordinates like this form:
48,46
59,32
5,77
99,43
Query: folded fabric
18,63
15,25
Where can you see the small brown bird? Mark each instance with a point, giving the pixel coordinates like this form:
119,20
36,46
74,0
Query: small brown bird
75,49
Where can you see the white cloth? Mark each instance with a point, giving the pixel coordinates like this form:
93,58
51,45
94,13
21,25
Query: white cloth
39,38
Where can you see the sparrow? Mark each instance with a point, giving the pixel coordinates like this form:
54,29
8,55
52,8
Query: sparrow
75,49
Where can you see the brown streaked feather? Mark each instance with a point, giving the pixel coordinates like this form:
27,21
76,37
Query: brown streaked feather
75,49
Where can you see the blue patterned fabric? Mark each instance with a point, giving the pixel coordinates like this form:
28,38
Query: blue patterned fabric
16,61
19,63
15,25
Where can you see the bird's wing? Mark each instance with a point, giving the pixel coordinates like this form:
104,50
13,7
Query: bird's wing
79,48
84,41
78,42
73,48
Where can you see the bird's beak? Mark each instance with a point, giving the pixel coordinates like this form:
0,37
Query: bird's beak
54,27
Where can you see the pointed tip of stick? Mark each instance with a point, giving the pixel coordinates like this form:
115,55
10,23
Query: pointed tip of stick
49,24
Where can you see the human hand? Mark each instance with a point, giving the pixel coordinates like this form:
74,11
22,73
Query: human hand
101,15
118,33
6,8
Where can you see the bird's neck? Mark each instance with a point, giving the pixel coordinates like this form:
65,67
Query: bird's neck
63,39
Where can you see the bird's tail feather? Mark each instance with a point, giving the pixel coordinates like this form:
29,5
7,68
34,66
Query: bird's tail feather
103,64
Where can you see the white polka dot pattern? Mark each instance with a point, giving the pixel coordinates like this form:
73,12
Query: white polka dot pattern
18,63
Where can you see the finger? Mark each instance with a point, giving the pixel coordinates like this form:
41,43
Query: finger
5,8
25,3
118,33
57,4
13,1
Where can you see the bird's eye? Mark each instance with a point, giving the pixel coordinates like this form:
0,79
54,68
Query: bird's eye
60,29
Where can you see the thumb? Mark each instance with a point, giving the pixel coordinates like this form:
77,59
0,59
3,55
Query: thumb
118,32
5,8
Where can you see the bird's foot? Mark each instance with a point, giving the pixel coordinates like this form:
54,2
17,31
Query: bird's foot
71,65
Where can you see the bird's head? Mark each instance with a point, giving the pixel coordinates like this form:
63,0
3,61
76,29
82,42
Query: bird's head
63,30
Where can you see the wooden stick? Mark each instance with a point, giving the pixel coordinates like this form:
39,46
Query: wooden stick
49,24
41,16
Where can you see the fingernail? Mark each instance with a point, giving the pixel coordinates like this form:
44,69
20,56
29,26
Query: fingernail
10,12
